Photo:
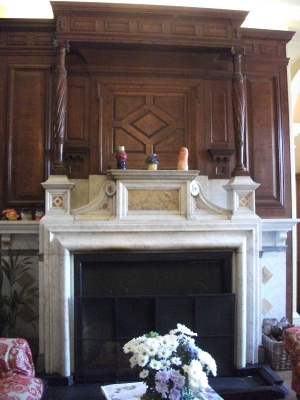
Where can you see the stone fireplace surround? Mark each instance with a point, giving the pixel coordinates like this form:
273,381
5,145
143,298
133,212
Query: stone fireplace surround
137,210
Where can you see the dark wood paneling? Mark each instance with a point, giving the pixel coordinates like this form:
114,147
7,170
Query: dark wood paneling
264,147
3,147
219,126
76,150
146,118
28,127
179,62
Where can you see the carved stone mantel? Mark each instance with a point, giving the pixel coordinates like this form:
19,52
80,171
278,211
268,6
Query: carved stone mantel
168,212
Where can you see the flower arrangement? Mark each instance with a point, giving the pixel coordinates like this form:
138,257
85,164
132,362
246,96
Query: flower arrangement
173,367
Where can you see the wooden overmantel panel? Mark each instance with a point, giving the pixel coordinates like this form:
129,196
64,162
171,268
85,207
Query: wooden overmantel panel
152,78
127,23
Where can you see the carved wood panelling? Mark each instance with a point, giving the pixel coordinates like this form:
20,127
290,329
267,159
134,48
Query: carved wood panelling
264,147
219,127
156,77
149,120
28,130
76,150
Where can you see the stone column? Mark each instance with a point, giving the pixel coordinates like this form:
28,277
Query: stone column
60,108
238,102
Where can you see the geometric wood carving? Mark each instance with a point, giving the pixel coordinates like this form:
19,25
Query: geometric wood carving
147,122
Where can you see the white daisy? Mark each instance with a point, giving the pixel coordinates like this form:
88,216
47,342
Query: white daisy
144,373
186,331
155,364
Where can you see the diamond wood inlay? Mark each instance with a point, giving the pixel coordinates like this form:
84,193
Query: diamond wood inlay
149,124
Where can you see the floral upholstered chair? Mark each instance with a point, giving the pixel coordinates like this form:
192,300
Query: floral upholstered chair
291,342
17,373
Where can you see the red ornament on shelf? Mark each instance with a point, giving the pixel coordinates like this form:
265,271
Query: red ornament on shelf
121,157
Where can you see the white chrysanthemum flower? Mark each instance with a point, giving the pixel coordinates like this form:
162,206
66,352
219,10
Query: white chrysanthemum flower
185,368
164,352
142,360
130,346
194,369
169,341
133,361
155,364
206,359
176,360
194,384
203,380
172,341
186,331
198,383
142,349
152,345
165,363
144,373
133,343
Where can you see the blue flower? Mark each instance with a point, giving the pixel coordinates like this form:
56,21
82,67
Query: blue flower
174,394
162,376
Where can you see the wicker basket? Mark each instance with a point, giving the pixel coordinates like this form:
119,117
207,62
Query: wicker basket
275,354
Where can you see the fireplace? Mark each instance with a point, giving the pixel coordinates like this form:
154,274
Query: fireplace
123,295
176,218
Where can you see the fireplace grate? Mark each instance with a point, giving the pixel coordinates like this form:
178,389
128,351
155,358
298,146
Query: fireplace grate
116,301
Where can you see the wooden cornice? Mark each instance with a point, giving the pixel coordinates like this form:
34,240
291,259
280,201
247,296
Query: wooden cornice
18,35
141,24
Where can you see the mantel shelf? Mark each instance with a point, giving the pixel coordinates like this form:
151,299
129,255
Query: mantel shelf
19,227
130,174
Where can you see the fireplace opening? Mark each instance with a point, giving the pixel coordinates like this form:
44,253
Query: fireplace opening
121,295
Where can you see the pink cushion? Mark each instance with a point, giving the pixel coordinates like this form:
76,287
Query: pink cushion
17,380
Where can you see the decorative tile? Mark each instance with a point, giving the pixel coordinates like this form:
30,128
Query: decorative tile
57,201
266,275
244,201
266,306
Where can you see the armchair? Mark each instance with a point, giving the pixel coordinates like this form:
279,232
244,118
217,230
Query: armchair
17,373
291,342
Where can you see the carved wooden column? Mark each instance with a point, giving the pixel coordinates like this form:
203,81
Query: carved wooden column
60,107
239,101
